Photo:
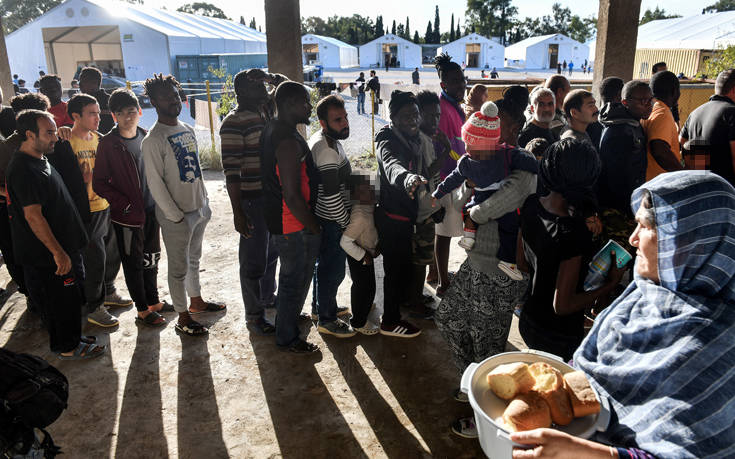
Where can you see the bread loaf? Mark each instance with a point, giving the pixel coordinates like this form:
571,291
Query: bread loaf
507,381
582,397
550,385
526,412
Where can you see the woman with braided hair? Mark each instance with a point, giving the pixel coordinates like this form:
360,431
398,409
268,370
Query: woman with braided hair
557,246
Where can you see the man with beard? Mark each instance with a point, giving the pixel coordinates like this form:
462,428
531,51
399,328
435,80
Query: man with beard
171,163
241,148
290,189
542,102
559,85
580,111
333,212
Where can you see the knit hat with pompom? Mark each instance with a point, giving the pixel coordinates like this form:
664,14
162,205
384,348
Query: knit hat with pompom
482,130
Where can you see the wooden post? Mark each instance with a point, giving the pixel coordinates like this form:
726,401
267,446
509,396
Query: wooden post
211,119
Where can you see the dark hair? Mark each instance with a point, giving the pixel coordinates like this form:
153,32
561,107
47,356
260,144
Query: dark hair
30,101
570,168
664,84
610,88
90,73
556,82
122,98
425,98
444,65
158,82
399,99
240,81
513,108
630,87
517,94
27,120
49,78
656,66
537,146
725,82
287,91
323,106
78,102
575,100
647,204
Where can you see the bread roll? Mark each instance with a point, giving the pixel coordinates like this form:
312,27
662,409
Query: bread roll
507,381
527,412
583,399
550,385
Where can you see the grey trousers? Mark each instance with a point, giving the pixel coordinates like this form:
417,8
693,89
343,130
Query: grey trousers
94,256
183,243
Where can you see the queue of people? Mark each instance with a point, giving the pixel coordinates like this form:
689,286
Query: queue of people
534,184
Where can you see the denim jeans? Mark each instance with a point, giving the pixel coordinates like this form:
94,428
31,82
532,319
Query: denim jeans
360,103
329,271
297,253
258,259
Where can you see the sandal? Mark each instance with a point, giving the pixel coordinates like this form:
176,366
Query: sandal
88,339
300,347
84,351
262,326
165,307
153,319
210,306
193,328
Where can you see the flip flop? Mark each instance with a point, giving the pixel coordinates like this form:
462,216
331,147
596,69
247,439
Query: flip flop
210,306
193,328
84,351
166,307
153,319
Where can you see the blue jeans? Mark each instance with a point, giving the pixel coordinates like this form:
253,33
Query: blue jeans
329,272
297,252
360,103
258,259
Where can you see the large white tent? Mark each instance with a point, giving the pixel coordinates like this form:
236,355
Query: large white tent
546,51
476,51
327,52
391,47
115,35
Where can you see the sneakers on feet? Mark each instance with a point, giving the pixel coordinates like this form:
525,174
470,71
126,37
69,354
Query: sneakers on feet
300,347
337,328
465,427
115,300
342,311
401,329
467,243
102,318
511,270
368,329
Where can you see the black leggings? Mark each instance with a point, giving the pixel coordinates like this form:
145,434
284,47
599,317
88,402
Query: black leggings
362,292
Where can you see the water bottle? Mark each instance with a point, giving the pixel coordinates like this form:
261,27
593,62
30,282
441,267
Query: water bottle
600,265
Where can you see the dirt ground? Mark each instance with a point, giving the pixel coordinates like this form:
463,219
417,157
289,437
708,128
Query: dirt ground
233,394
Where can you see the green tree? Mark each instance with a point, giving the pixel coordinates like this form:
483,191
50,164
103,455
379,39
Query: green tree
657,13
203,9
451,29
437,33
17,13
407,35
378,27
393,29
252,24
457,34
492,18
561,21
429,35
416,38
723,59
721,5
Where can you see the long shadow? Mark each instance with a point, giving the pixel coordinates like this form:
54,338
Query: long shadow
141,422
199,426
395,440
306,420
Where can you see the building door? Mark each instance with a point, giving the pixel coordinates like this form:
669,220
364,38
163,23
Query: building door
472,54
553,55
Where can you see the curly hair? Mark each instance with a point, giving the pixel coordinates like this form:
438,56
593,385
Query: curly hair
29,101
444,65
158,82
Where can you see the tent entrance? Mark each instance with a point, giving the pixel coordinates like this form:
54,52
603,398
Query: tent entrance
70,48
390,55
472,52
553,55
311,53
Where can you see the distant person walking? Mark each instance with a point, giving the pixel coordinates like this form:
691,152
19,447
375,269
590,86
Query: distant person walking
415,76
571,68
360,83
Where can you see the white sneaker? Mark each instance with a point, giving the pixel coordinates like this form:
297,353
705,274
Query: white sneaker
511,270
467,243
368,329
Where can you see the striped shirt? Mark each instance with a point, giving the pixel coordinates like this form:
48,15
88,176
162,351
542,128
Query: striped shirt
332,202
240,134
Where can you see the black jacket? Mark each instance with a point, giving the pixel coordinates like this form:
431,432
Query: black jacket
65,162
623,156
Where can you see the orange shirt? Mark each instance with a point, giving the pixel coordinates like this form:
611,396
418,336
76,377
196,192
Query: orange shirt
660,126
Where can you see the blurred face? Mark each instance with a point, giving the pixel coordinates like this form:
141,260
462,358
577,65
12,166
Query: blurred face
407,120
127,118
336,126
454,84
644,238
44,141
167,102
51,88
90,118
89,85
365,194
509,129
560,94
588,113
543,109
430,115
640,102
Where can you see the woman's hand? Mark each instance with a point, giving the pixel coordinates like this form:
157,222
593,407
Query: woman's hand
553,443
615,274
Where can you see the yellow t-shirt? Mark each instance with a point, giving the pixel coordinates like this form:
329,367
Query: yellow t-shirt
660,126
86,152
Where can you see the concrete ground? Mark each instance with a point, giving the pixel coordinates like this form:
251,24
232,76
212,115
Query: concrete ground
233,394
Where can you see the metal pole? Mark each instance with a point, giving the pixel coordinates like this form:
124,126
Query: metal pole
209,109
372,109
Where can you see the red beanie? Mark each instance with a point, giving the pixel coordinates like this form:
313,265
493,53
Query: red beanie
482,130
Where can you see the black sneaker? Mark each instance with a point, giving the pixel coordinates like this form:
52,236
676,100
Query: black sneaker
300,347
400,329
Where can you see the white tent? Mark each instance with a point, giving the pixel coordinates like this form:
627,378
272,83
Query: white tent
390,47
136,39
328,52
476,51
545,52
701,31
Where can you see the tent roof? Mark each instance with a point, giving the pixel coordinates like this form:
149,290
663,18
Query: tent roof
535,40
390,38
473,35
701,31
330,40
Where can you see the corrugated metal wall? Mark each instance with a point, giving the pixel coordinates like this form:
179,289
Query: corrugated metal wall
677,60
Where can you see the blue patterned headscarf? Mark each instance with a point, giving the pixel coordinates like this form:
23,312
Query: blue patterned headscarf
664,354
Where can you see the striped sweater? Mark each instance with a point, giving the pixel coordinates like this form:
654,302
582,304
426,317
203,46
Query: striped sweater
333,202
240,134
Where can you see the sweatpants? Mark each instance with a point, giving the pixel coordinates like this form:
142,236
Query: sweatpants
362,292
94,260
183,243
140,251
395,236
